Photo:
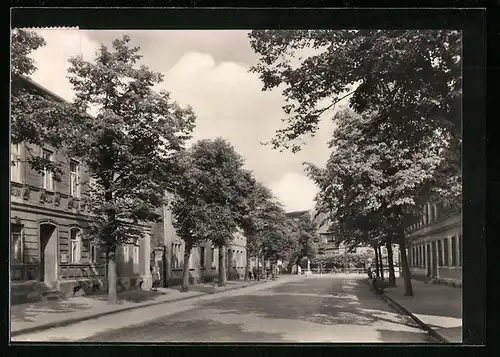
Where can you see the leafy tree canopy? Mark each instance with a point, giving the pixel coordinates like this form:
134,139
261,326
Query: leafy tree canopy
411,78
211,192
131,146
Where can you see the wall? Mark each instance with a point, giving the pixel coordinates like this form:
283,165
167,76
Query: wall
174,245
439,232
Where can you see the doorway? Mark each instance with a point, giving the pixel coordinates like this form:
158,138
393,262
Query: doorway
433,260
428,259
48,254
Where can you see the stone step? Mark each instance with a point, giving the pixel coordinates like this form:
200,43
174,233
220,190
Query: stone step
52,294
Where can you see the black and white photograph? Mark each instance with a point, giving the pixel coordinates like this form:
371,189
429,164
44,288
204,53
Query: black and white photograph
236,186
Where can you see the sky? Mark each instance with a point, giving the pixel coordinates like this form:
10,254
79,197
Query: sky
208,70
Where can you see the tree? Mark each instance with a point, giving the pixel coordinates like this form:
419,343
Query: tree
210,198
411,76
261,206
130,147
37,117
307,239
370,180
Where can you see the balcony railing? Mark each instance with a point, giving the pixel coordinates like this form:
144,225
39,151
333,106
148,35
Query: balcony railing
24,272
81,271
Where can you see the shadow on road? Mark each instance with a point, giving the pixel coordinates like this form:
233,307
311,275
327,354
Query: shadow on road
204,330
306,302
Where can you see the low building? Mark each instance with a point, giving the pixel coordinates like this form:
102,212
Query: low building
435,249
48,253
204,259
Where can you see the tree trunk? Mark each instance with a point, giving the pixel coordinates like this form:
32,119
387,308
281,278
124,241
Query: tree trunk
263,267
185,268
377,266
229,260
247,266
165,267
222,271
381,262
112,295
404,264
390,261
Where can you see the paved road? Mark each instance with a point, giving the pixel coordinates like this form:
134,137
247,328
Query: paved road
325,308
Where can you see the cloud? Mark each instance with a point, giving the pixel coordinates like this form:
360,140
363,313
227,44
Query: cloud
296,191
227,99
52,59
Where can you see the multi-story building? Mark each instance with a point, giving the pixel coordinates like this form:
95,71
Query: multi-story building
330,246
204,259
435,251
48,251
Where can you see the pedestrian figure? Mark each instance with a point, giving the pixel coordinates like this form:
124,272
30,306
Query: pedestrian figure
250,274
155,273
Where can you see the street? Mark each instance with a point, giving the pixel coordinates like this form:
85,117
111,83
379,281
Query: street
326,308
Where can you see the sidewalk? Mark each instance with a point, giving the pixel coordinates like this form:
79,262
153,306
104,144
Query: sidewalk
27,318
437,307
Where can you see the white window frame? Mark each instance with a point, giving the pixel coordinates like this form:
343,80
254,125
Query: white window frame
75,245
15,166
47,178
126,253
74,179
16,229
93,253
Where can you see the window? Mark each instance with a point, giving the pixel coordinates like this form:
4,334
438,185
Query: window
48,182
136,254
202,257
17,243
212,255
15,166
454,251
176,262
126,253
446,252
74,179
440,253
94,256
74,245
460,250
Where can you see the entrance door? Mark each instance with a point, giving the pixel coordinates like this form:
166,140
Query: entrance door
433,260
48,255
428,251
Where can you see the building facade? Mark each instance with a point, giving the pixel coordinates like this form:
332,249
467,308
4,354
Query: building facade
204,259
48,251
435,249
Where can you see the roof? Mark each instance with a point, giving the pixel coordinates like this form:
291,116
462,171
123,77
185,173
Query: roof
296,214
44,91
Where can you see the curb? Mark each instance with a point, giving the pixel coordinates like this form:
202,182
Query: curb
396,305
90,317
